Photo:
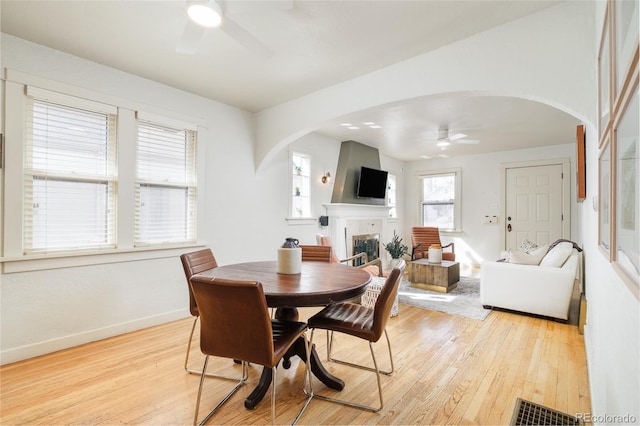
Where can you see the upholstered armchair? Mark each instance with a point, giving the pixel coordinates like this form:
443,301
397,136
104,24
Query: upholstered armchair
424,236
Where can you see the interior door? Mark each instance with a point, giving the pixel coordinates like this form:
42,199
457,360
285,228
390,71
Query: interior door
534,205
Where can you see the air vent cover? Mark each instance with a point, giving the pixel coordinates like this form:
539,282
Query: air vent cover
529,413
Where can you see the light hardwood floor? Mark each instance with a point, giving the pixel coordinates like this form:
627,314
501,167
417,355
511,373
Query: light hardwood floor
449,370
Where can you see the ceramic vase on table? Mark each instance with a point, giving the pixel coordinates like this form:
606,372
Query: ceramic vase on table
290,257
435,253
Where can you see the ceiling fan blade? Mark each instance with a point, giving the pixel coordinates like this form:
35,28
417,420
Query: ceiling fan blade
468,141
190,39
245,38
457,136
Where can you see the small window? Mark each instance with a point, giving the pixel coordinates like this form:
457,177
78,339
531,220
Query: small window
70,178
441,200
300,185
165,185
391,196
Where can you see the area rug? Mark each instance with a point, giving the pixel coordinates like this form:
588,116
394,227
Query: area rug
464,300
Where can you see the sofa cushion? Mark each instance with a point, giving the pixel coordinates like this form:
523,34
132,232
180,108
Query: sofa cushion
557,255
523,258
528,246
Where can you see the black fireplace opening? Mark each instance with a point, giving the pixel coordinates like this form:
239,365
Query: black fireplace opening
367,243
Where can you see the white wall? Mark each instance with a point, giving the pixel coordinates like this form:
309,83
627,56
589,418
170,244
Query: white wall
43,311
480,192
612,332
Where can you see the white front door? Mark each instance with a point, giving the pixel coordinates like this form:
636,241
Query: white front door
534,205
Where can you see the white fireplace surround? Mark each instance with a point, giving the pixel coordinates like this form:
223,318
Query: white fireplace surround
347,220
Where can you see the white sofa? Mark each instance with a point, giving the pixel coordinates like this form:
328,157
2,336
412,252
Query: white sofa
540,290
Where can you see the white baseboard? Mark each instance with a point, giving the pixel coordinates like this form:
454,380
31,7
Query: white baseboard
29,351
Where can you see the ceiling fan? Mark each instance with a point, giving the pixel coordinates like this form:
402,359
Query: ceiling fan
211,14
446,137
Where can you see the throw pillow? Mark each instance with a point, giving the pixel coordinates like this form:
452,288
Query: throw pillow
528,246
557,255
522,258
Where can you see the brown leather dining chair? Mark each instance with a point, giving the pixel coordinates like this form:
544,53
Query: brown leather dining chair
235,323
424,236
194,263
316,253
362,322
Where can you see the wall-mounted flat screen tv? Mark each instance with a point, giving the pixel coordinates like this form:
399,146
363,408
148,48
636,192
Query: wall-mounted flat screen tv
372,183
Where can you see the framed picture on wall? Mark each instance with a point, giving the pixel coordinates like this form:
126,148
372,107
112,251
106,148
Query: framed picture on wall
604,198
625,15
627,165
604,81
581,164
618,129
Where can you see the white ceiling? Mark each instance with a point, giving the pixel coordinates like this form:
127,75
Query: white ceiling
312,44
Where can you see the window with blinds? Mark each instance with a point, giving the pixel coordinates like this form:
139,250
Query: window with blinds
165,187
69,176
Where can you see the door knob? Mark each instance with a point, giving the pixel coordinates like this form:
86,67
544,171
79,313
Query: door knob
509,228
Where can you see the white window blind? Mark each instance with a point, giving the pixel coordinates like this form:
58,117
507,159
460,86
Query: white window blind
69,177
165,185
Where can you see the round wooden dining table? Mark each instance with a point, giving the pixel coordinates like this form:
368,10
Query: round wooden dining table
318,284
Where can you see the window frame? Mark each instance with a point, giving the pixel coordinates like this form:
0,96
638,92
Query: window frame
457,202
71,108
305,191
392,195
189,185
13,258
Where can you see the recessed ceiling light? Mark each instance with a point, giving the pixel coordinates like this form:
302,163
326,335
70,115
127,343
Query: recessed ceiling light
375,126
443,144
353,127
345,124
368,123
425,156
443,156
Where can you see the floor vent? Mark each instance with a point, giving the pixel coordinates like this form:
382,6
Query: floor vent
528,413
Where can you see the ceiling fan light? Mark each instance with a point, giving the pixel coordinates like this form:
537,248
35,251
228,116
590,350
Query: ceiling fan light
205,14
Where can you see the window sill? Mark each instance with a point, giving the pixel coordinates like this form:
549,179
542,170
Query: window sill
301,220
70,260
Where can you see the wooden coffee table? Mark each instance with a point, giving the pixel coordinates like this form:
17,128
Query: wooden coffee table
442,277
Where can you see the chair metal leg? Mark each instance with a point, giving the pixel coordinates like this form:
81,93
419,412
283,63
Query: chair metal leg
349,403
330,358
199,372
186,359
245,375
273,395
307,379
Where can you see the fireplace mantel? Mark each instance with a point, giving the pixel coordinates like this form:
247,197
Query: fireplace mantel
346,220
